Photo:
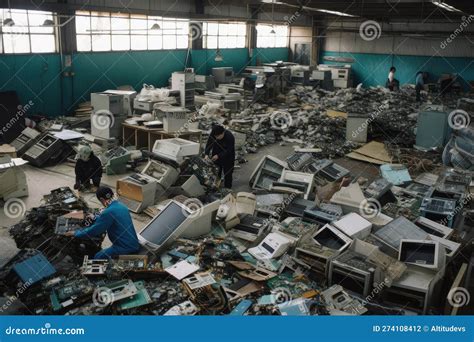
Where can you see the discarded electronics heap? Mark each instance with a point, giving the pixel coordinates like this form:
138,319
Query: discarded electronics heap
277,251
310,239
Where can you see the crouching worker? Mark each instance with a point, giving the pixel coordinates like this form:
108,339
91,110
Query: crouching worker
88,168
117,222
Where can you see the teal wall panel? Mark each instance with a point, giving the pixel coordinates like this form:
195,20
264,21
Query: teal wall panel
38,77
372,69
35,78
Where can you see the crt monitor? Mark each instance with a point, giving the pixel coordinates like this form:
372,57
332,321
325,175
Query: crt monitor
165,227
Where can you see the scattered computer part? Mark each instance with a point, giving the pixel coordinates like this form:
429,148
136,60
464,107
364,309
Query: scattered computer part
298,206
294,181
115,291
192,187
186,308
45,149
137,191
354,226
115,160
294,228
201,217
34,269
350,198
268,170
140,299
227,212
71,294
339,302
176,149
298,161
439,210
65,225
392,233
94,267
250,227
353,271
273,246
323,214
330,237
380,189
165,175
425,253
246,203
414,290
205,291
25,140
433,228
241,308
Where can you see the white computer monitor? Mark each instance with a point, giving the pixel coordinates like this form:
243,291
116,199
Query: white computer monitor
165,227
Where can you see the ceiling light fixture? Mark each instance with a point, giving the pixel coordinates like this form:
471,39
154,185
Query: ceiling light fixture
48,22
445,6
155,26
218,57
8,21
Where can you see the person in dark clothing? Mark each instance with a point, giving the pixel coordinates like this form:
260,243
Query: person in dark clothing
419,85
221,149
88,168
115,220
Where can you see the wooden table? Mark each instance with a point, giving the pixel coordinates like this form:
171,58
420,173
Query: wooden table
143,137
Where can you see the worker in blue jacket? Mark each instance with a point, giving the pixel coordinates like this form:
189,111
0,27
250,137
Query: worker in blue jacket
115,219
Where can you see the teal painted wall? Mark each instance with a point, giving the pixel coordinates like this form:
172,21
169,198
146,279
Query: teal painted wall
372,69
35,78
38,77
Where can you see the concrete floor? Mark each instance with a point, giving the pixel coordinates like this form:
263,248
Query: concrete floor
42,181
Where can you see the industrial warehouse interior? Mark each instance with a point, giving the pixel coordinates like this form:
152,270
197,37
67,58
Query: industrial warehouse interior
253,157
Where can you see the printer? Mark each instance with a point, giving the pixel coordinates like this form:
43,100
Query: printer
176,149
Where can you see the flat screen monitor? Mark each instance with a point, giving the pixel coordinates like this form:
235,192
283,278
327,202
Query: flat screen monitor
165,225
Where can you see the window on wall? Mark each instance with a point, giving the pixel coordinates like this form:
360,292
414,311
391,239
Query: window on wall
103,31
25,32
224,35
266,38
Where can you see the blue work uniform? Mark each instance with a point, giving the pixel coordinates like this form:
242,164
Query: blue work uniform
419,84
117,222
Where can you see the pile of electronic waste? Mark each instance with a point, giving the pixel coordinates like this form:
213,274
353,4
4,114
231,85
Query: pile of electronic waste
392,246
